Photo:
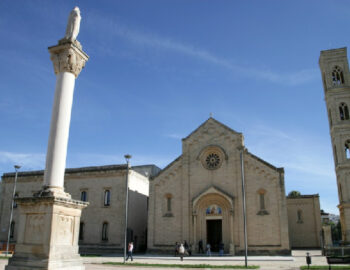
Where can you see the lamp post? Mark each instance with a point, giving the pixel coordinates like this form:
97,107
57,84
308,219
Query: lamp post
17,167
244,209
127,158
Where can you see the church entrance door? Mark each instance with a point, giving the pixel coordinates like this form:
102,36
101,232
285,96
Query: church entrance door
214,233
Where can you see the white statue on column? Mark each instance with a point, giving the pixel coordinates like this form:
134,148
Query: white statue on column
73,25
53,245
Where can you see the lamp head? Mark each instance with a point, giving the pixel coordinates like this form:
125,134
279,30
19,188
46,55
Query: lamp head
17,167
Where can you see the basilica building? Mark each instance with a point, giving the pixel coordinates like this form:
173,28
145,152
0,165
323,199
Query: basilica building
198,198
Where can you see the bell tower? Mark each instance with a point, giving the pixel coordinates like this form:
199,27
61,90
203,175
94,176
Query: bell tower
336,83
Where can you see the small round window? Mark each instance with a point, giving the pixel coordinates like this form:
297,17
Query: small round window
212,158
212,161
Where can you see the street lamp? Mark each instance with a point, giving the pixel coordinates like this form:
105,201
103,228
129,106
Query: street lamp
17,167
244,209
127,158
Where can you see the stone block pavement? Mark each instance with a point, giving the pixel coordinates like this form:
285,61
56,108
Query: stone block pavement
265,262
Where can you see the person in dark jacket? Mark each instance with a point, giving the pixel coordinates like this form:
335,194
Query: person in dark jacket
221,248
200,246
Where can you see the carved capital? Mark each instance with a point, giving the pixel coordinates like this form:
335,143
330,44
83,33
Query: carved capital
68,57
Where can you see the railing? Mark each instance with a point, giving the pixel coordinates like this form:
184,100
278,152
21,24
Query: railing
337,251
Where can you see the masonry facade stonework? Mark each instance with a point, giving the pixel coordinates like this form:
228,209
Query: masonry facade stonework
336,83
304,216
199,197
102,222
196,197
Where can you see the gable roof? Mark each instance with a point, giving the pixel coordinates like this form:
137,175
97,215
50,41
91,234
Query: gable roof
211,119
265,162
165,168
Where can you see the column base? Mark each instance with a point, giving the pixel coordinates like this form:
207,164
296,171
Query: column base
47,234
24,264
51,191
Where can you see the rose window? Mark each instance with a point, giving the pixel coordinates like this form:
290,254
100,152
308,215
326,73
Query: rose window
212,161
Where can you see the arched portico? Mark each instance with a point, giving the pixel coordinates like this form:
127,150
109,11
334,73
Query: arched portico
213,219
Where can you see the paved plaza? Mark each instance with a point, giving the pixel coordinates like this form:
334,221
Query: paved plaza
265,262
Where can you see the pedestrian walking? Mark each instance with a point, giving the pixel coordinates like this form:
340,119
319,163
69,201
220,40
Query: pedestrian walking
176,248
200,246
130,249
186,247
208,249
189,251
181,251
221,248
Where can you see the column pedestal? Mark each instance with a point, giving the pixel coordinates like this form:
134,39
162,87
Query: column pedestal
49,222
48,234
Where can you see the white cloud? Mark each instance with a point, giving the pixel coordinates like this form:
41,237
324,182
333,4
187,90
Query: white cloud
295,150
175,136
28,161
307,159
152,40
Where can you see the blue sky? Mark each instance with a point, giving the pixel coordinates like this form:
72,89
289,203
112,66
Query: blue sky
157,69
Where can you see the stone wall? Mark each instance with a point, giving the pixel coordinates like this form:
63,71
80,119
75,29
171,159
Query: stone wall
304,219
94,181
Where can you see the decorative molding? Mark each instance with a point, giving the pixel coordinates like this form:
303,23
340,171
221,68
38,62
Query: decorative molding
68,57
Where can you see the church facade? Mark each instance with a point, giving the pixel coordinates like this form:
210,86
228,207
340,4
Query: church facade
196,197
199,197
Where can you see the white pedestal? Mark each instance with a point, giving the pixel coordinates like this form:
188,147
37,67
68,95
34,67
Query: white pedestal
48,234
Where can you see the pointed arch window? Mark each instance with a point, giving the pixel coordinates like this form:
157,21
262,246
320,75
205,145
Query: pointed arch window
347,149
337,76
168,201
343,111
105,231
262,206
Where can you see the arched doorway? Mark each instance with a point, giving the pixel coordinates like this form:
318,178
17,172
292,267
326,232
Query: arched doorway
213,216
213,220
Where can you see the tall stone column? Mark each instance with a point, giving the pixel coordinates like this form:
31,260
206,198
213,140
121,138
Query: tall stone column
49,221
68,60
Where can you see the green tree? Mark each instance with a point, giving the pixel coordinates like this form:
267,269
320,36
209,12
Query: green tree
336,231
294,193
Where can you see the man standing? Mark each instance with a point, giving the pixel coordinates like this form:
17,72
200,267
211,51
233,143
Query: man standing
200,246
221,248
181,251
208,249
130,249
